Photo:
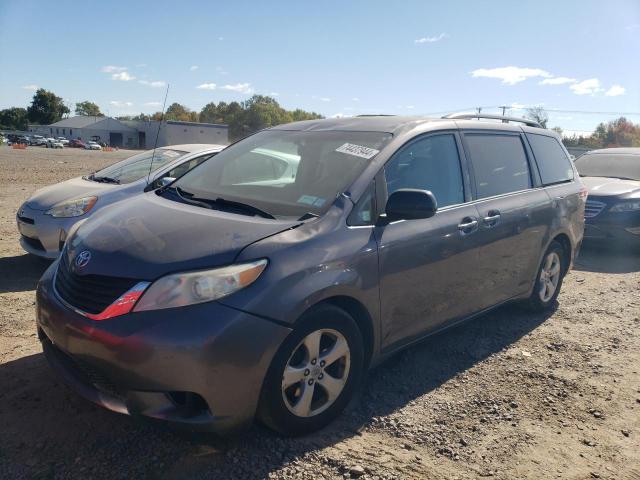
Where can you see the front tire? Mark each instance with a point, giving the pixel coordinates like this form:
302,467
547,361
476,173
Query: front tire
314,374
549,279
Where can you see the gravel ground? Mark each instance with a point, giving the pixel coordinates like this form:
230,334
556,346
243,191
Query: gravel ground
508,395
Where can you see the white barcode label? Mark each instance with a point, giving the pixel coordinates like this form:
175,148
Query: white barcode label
357,150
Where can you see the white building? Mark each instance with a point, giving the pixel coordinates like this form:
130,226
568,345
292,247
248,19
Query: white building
134,133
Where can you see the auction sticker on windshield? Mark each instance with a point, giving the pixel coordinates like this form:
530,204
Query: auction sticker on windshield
357,150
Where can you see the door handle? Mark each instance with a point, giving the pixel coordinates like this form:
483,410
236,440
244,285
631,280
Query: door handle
468,225
492,218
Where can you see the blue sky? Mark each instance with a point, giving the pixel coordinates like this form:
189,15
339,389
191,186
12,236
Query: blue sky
333,57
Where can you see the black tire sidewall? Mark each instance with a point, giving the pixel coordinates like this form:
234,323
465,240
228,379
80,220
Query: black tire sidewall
535,301
272,410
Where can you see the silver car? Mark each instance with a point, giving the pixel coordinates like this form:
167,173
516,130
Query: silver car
45,219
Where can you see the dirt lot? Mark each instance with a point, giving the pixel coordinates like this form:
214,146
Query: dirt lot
509,395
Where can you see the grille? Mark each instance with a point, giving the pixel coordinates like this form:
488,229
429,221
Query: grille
593,208
89,293
33,243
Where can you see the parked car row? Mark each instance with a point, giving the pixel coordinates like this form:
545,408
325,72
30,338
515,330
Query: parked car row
265,279
51,142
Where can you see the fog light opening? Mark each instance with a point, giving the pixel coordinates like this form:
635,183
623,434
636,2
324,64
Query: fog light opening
190,403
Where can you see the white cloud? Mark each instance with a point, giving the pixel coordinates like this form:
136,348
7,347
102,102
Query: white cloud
437,38
615,91
557,81
510,75
274,94
206,86
122,76
154,84
220,38
120,104
410,107
113,69
31,88
355,99
141,65
152,104
586,87
325,99
221,71
244,88
193,68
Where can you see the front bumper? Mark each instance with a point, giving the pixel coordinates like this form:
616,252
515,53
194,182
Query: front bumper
40,234
614,227
200,366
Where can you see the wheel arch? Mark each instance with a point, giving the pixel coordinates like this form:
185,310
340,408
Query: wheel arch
362,317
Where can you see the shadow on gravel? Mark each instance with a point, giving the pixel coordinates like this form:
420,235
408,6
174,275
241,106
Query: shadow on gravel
21,273
608,259
75,439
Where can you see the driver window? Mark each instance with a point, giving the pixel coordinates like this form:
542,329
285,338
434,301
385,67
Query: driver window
430,163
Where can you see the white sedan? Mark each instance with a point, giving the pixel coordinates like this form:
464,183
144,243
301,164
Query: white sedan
92,146
53,143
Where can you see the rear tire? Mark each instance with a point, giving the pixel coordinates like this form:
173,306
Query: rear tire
549,278
314,374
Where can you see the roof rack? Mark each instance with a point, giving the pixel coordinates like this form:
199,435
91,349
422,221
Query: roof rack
469,116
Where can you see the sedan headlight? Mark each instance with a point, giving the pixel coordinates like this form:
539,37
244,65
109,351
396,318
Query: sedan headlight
628,206
180,289
72,208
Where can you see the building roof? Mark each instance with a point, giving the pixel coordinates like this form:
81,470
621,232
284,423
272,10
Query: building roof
90,121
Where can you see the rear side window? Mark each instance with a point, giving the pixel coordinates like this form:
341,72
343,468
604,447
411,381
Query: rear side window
499,164
555,166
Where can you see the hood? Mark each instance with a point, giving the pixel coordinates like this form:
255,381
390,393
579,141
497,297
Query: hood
47,197
149,236
605,186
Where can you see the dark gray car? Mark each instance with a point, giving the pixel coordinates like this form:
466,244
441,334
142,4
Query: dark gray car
268,279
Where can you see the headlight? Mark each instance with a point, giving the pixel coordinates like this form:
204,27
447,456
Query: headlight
629,206
189,288
72,208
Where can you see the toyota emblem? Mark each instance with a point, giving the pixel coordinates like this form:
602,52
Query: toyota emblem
83,258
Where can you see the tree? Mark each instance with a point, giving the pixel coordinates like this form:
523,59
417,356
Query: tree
14,119
178,112
617,133
539,115
88,108
46,108
558,130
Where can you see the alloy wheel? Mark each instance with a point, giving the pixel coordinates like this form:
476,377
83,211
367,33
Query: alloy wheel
316,373
549,276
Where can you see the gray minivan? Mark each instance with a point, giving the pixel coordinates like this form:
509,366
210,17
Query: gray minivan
268,279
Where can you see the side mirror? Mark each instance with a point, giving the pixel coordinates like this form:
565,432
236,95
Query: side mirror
410,204
159,183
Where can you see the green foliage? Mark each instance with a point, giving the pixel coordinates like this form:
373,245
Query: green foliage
14,119
254,114
88,108
617,133
46,108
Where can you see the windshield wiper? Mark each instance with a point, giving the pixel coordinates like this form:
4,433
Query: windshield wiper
220,202
307,216
241,206
104,179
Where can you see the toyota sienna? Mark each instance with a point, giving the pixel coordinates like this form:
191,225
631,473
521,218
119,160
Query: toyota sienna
265,281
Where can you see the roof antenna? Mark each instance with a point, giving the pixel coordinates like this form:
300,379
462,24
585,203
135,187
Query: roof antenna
155,144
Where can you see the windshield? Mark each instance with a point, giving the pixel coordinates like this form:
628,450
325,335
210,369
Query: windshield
285,173
609,165
136,167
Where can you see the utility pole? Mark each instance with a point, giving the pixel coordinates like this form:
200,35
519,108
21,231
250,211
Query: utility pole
479,109
504,109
